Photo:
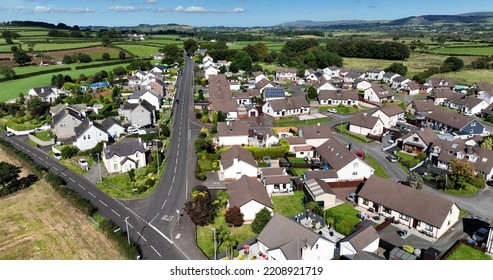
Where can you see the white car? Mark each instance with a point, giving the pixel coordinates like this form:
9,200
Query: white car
83,162
57,155
132,130
332,110
9,133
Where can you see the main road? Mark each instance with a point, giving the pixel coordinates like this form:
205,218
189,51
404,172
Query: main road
152,222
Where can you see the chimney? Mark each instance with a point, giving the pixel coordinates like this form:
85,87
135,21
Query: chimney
104,145
227,123
364,114
235,160
318,124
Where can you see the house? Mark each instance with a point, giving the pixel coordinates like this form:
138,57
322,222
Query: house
468,105
64,123
249,195
140,114
363,123
442,83
361,84
447,121
295,142
303,151
271,141
274,93
332,71
278,184
88,134
319,191
352,76
210,70
335,156
324,175
389,115
364,239
487,112
418,142
379,93
426,212
439,96
272,171
410,88
296,105
374,74
46,94
124,156
398,82
284,239
324,84
236,162
152,96
113,127
484,91
160,87
421,108
262,84
232,133
442,151
286,74
316,134
336,97
80,108
389,77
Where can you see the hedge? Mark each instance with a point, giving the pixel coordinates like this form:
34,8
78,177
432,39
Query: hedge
272,152
109,63
25,159
131,251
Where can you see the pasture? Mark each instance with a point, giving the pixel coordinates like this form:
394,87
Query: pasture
484,51
139,50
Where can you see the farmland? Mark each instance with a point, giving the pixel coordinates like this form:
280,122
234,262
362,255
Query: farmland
484,51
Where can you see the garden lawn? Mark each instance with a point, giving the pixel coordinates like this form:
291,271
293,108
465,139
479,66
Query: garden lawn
469,190
379,171
297,160
405,155
120,186
296,171
44,135
464,252
344,218
205,236
288,205
359,138
295,121
72,166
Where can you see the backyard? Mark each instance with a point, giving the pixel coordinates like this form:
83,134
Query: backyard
288,205
296,122
464,252
343,218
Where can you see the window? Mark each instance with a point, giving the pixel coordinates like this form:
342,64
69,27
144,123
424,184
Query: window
316,246
115,166
418,223
84,137
355,173
302,153
355,165
366,202
415,139
89,136
473,124
387,210
115,159
404,217
429,227
448,223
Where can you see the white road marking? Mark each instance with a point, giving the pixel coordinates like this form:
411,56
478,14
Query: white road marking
164,204
175,168
173,179
115,212
141,236
103,203
80,186
154,218
176,161
55,168
160,233
170,190
178,236
155,251
130,224
63,174
92,194
71,180
178,152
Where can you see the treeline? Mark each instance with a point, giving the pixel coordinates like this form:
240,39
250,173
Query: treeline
32,74
103,64
228,37
369,49
29,23
291,33
60,33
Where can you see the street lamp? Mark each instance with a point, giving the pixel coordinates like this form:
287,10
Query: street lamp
128,234
99,168
215,253
157,153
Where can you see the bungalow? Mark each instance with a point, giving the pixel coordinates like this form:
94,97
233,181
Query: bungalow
286,74
295,142
46,94
440,82
272,171
249,195
274,93
113,127
352,76
210,70
152,96
64,123
410,88
362,123
140,114
361,84
336,97
439,96
389,77
424,211
319,191
365,239
296,105
348,166
88,134
325,85
316,134
389,115
303,151
236,162
271,141
278,184
379,93
232,133
375,74
125,155
398,82
284,239
418,142
466,104
447,121
484,91
262,84
421,108
314,77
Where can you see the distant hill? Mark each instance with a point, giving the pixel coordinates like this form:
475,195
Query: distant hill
311,23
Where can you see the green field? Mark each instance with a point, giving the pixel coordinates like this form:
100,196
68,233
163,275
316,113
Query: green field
139,50
464,51
59,46
468,77
273,46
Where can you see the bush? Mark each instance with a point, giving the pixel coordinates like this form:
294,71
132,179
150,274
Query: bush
261,219
131,251
200,176
234,216
69,152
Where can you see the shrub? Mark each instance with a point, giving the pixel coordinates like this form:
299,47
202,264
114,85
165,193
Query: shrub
234,216
261,219
69,152
131,251
200,176
149,183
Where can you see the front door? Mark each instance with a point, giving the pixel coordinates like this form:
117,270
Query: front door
415,223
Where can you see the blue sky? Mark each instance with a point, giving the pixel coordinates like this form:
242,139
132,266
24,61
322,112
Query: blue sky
225,12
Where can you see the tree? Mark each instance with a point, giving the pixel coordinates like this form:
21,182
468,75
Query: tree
314,207
21,57
69,152
106,56
462,173
234,216
165,131
398,68
222,198
122,55
487,143
452,64
8,172
220,116
37,108
7,71
67,59
105,40
200,209
243,60
9,36
311,92
172,54
57,80
119,70
415,180
261,219
190,46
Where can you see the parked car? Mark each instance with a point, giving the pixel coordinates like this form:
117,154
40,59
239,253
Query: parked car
392,158
9,133
132,129
332,110
480,235
83,162
351,197
391,141
489,183
57,155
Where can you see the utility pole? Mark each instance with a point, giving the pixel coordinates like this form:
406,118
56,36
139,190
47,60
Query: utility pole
128,234
99,168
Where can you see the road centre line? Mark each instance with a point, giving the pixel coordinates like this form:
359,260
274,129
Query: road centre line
175,168
142,236
71,180
170,190
80,186
92,194
103,203
55,168
174,179
164,204
115,212
63,174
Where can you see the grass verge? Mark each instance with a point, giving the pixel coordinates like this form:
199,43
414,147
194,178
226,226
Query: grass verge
379,170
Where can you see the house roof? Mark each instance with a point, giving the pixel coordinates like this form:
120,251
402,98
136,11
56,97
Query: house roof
245,190
361,238
236,128
451,119
441,93
138,93
286,70
288,103
464,100
280,179
412,85
428,135
400,79
85,125
353,75
109,122
321,174
423,206
391,110
143,103
296,140
224,105
336,154
253,92
262,83
316,131
424,105
306,148
364,119
382,91
389,75
288,236
228,156
62,114
274,92
273,171
484,86
448,149
126,147
441,82
318,187
338,95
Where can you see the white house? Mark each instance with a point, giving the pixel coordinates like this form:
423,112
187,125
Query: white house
379,93
365,239
46,94
113,127
324,84
152,96
236,162
304,151
411,88
375,74
389,77
398,82
210,70
125,155
232,133
278,184
362,85
296,105
286,74
468,105
249,195
363,123
332,71
88,134
336,97
389,115
315,134
293,242
271,141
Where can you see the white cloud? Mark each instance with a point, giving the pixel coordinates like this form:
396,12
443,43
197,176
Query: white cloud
149,1
191,9
41,9
45,10
198,9
238,10
119,8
